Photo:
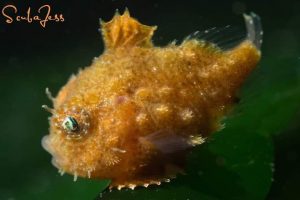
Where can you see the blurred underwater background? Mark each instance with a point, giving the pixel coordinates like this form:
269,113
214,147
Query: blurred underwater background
256,156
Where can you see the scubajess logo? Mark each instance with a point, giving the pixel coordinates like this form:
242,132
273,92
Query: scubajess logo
42,15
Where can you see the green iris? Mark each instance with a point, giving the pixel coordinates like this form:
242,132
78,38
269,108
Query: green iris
70,124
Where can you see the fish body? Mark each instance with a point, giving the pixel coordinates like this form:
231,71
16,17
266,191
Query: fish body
134,114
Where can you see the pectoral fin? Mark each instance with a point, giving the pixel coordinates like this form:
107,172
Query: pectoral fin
167,143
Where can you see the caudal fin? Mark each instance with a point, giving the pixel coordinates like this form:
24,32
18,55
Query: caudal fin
254,29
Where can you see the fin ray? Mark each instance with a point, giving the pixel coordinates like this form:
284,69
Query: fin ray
224,38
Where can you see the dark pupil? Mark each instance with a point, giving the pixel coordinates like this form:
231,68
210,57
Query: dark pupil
70,124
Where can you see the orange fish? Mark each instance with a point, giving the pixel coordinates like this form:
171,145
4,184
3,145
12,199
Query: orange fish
135,113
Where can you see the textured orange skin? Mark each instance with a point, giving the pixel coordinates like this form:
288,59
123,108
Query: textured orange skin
134,90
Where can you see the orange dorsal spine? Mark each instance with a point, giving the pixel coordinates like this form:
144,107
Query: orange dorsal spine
125,31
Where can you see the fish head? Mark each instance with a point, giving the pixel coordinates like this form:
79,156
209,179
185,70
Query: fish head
76,140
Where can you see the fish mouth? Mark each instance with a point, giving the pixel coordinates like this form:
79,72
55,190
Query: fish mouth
46,145
55,159
63,164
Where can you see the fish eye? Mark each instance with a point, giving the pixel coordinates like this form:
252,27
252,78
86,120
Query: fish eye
70,124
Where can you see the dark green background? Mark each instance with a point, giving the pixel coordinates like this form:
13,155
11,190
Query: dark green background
33,58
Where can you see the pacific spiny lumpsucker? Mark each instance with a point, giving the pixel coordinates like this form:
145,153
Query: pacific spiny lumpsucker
134,114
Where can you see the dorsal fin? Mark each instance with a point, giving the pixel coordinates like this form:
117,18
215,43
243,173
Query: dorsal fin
125,31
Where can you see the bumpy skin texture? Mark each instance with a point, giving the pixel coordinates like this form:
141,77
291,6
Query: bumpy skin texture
140,109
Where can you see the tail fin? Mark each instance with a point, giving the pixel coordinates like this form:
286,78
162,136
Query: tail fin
254,29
